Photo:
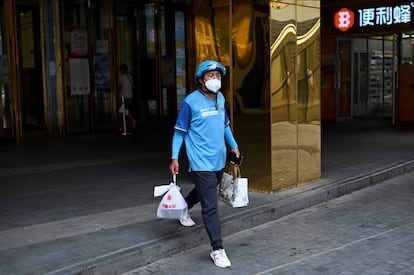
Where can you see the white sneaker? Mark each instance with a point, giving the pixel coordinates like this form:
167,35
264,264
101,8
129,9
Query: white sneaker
187,221
219,258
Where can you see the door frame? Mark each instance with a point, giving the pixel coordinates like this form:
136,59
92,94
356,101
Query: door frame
14,70
338,77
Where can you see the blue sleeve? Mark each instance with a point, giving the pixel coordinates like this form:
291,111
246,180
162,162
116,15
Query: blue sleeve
228,136
177,141
226,120
184,118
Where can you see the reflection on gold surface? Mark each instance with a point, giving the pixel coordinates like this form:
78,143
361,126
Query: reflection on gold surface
241,33
244,32
205,40
309,145
295,94
283,97
212,31
275,93
277,5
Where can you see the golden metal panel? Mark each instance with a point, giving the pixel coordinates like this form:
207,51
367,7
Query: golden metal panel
236,34
275,62
250,45
309,3
283,96
295,92
308,77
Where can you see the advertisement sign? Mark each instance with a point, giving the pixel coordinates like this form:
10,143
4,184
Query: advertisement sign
385,15
78,42
344,19
368,17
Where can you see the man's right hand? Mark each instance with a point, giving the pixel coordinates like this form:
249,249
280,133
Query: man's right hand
174,167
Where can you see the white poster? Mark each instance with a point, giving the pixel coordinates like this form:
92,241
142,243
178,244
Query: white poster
79,76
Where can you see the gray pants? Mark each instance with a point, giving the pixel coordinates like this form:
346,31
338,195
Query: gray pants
205,192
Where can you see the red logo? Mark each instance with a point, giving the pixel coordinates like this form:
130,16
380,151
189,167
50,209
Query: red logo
344,19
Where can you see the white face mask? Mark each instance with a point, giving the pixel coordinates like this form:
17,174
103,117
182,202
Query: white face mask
213,85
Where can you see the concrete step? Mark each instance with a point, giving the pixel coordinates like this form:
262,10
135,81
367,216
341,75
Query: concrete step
116,241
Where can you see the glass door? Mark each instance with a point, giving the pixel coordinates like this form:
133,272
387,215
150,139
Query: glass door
126,66
152,59
10,82
102,97
382,68
152,41
32,87
360,88
360,76
24,102
5,118
77,51
180,57
405,99
162,59
344,79
173,66
374,70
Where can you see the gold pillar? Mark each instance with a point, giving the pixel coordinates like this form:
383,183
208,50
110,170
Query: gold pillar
273,92
295,92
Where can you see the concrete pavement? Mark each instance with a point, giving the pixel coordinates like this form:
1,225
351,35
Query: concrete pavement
85,205
365,232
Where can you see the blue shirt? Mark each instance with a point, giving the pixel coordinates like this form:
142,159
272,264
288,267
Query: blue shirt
203,120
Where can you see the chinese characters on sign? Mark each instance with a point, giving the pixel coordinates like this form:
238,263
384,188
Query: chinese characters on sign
385,15
169,206
374,16
78,42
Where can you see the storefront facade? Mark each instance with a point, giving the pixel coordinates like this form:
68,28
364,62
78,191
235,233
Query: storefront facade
60,59
60,63
367,60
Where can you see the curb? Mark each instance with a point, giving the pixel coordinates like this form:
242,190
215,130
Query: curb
303,197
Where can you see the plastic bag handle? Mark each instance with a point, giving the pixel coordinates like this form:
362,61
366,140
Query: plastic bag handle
174,178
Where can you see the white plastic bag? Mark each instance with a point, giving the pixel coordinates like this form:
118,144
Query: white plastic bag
233,189
226,187
241,189
173,204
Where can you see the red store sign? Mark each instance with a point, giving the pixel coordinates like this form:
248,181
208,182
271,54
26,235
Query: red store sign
368,16
344,19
